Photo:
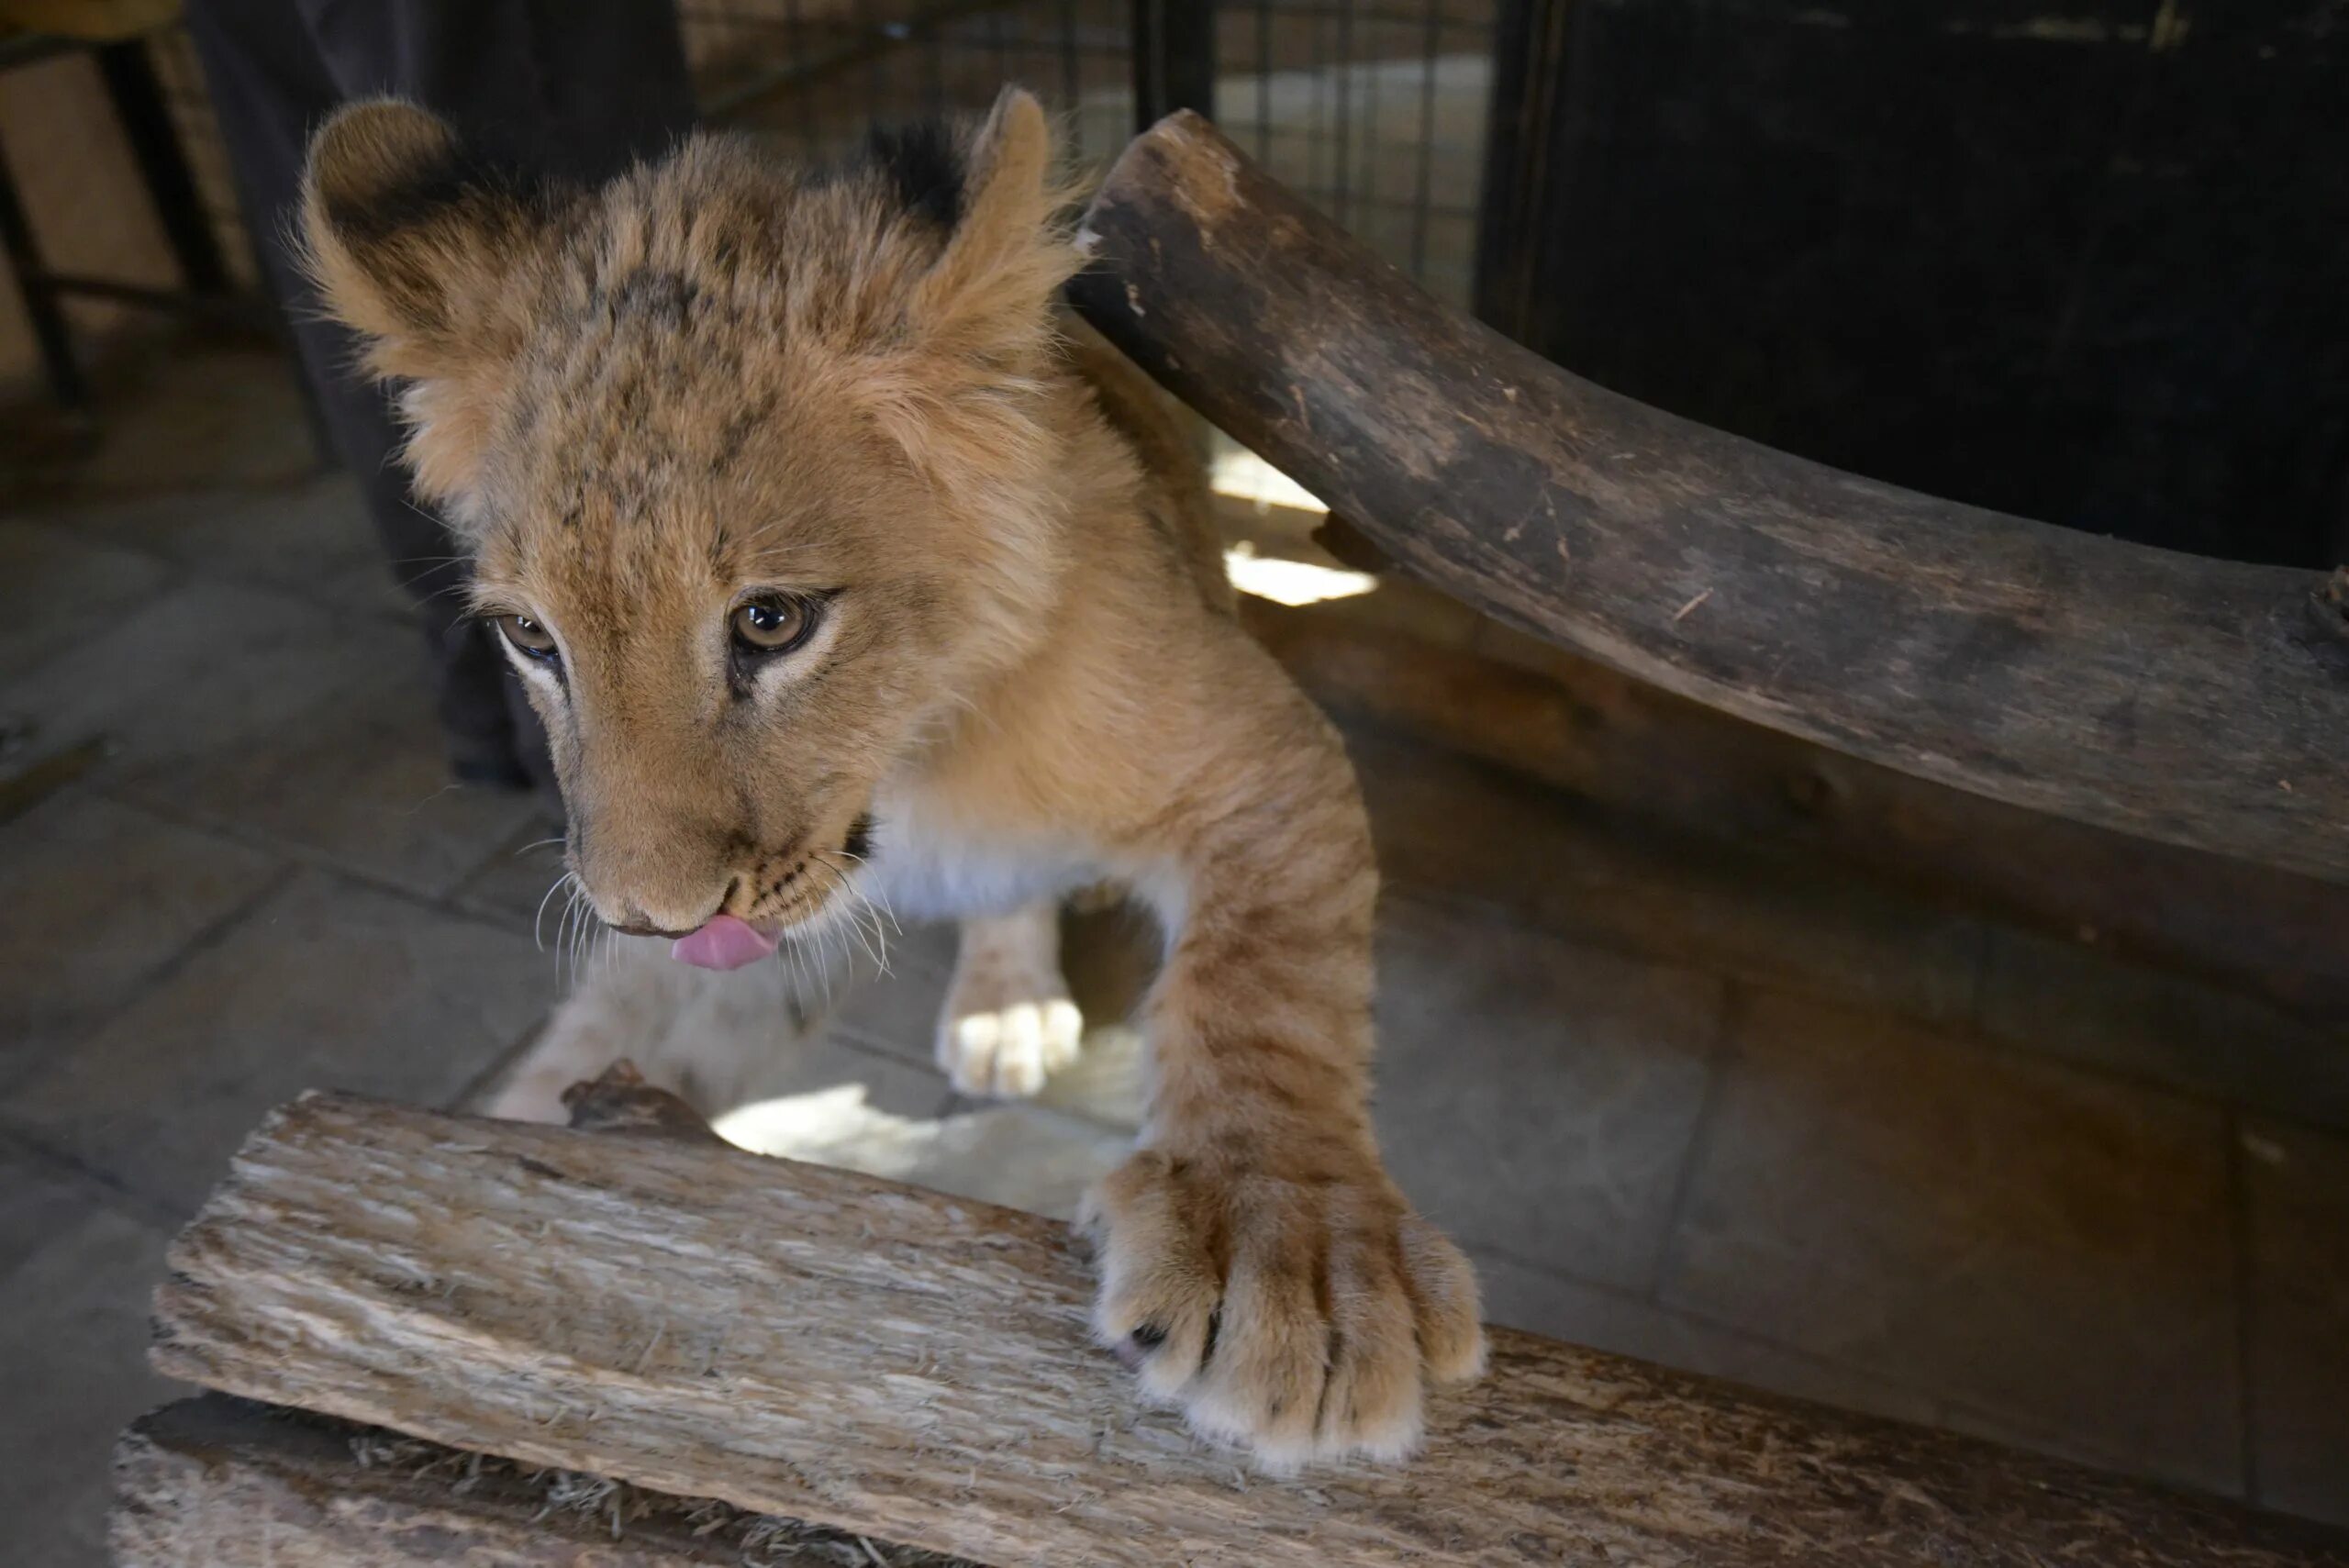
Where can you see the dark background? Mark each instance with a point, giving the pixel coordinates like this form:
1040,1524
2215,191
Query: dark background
2087,260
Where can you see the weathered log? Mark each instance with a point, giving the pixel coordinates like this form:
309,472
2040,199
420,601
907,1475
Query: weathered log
813,1343
1627,744
225,1484
2197,702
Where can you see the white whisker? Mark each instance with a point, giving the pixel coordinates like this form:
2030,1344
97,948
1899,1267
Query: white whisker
574,923
537,938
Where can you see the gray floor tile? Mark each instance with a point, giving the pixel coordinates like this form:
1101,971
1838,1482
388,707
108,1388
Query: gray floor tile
2297,1187
510,882
95,899
73,1375
209,670
2066,999
57,587
1452,829
360,782
897,1012
226,415
242,708
1560,1308
2057,1442
2046,1247
311,538
1537,1096
38,1199
327,984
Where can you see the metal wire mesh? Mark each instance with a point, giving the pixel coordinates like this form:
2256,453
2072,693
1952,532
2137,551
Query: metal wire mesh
1374,109
815,73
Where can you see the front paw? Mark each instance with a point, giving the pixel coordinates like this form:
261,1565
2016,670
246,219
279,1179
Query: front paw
1288,1312
1007,1026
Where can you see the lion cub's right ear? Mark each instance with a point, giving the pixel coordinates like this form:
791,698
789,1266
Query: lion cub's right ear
424,252
990,295
414,243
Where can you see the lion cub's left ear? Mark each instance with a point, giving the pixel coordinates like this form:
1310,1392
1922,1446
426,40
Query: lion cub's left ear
991,289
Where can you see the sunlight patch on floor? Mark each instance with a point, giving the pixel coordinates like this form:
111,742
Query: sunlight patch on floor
1235,472
1292,582
1021,1156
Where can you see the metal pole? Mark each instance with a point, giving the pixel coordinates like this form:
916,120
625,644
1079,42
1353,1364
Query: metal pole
1173,59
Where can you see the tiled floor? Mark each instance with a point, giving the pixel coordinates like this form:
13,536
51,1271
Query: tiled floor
1729,1112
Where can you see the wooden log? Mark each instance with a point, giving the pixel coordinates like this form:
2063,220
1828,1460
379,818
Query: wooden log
1628,745
813,1343
222,1482
232,1484
2196,701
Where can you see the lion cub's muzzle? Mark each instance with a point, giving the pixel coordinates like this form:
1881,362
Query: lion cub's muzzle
763,902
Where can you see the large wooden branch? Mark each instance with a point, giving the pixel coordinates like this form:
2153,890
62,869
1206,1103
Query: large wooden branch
1624,743
215,1483
2192,701
808,1342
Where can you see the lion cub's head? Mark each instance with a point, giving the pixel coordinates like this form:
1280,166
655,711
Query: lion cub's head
757,464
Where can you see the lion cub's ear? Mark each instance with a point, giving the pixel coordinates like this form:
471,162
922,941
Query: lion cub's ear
412,240
991,290
417,245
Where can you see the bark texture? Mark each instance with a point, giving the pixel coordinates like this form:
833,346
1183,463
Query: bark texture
2192,701
914,1368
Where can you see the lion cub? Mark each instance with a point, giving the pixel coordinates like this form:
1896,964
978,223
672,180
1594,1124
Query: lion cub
834,576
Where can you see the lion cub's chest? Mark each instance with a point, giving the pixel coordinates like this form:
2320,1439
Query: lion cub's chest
923,871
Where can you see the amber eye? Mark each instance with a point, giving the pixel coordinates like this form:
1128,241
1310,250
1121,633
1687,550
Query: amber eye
775,625
533,641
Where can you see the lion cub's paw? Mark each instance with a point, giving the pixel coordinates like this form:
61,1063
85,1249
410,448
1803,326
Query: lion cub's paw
1314,1340
1008,1023
1006,1051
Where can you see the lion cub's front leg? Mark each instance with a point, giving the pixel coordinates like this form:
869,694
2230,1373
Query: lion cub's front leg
1008,1023
1258,1268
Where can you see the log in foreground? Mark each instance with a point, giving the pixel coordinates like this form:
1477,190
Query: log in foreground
225,1484
802,1341
2197,702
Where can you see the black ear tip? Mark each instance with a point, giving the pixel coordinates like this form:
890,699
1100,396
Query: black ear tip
924,165
369,153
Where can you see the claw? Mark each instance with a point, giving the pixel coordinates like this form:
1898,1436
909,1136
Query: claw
1300,1324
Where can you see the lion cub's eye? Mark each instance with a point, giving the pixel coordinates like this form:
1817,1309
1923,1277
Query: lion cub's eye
528,636
774,625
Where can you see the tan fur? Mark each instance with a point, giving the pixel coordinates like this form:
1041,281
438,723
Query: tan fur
715,375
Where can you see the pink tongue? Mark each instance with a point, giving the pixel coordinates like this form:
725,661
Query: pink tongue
724,942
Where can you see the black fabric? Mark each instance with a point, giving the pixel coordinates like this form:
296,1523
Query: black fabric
576,90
